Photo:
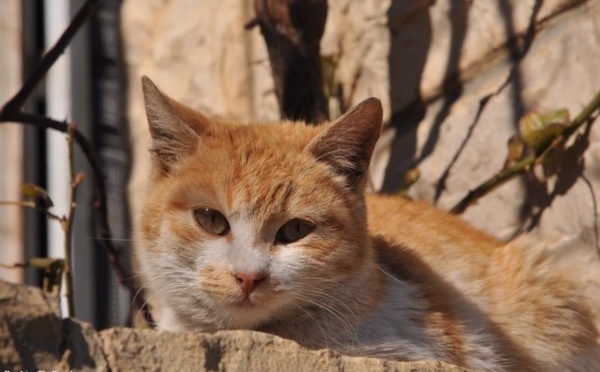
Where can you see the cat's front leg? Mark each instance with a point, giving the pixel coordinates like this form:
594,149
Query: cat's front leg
166,320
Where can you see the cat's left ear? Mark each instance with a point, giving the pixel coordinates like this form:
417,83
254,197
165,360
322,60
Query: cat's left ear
347,144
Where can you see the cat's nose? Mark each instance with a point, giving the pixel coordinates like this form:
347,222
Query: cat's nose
248,281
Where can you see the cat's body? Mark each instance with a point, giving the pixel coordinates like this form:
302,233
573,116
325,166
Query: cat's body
265,227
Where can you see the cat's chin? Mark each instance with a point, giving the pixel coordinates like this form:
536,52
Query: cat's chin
248,315
246,303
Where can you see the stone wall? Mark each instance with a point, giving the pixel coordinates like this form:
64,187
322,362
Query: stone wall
454,77
33,337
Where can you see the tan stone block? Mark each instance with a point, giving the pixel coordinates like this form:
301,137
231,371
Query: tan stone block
33,337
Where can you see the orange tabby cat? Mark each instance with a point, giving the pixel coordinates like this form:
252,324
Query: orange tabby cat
266,227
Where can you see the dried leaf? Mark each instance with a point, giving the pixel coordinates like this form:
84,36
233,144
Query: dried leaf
37,195
516,148
329,65
46,263
411,177
538,130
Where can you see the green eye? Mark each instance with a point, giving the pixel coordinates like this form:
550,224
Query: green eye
212,221
294,230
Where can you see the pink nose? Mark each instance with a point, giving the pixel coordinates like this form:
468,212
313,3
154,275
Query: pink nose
248,281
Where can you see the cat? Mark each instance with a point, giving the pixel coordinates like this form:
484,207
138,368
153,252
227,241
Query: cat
268,227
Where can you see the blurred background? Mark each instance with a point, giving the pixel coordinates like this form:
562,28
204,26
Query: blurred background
87,86
454,76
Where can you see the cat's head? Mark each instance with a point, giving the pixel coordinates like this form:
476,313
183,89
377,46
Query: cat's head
244,223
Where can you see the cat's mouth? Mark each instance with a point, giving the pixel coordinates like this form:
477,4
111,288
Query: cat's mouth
246,302
261,298
247,313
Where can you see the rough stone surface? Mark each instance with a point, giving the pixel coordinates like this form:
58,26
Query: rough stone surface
30,330
432,63
34,337
235,351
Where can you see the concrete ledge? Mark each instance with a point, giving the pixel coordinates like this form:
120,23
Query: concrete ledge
34,337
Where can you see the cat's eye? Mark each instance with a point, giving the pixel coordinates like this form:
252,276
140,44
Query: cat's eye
212,221
294,230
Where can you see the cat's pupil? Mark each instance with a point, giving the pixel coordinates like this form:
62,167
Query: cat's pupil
294,230
212,221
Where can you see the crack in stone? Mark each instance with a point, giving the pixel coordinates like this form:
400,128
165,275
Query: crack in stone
213,355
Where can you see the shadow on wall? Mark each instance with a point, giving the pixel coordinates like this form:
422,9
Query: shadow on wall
567,165
517,48
410,26
411,33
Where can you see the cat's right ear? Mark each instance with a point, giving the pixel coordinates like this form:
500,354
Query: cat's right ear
175,129
347,144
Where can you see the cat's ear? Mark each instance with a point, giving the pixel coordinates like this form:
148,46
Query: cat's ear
347,144
175,129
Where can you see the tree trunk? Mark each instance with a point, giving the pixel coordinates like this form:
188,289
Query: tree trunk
292,30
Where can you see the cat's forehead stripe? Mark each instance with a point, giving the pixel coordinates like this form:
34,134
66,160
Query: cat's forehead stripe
284,136
263,200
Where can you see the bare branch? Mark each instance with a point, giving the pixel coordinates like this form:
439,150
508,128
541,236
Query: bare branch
521,166
52,268
76,180
125,277
30,204
16,103
11,112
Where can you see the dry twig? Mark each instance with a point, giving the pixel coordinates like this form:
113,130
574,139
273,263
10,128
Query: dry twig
523,165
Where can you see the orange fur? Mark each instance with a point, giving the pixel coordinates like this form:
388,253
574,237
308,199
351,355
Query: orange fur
376,275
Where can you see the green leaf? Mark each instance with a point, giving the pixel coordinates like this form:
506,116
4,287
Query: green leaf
539,129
